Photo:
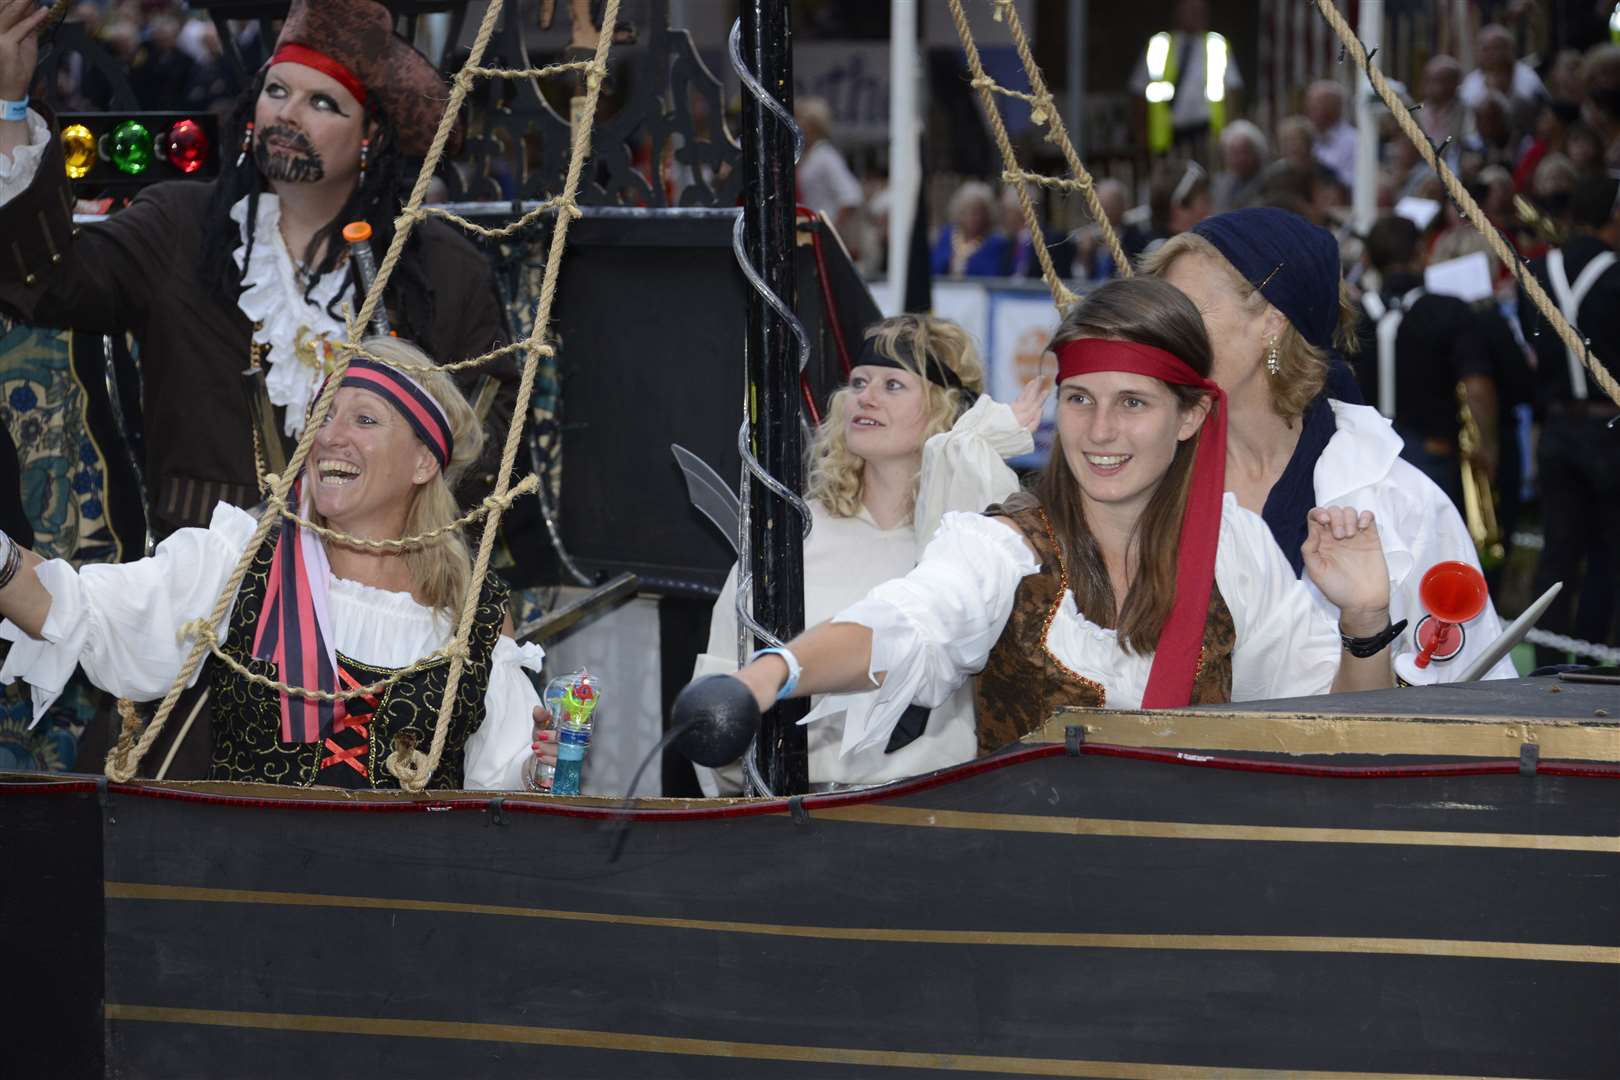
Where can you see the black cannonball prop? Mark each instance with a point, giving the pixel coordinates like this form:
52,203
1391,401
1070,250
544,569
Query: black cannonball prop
719,715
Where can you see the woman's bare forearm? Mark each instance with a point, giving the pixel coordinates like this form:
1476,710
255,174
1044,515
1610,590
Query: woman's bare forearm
835,658
1373,673
24,600
1377,671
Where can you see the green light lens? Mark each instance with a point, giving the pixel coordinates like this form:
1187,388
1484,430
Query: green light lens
131,147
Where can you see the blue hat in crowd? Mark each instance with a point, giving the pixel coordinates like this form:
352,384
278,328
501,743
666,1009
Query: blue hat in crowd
1293,263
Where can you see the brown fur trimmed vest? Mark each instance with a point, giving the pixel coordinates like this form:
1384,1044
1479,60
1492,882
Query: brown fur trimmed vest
1023,684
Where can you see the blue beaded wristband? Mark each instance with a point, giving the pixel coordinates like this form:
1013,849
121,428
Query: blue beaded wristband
15,110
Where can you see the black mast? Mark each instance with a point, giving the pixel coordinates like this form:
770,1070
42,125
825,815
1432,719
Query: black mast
775,528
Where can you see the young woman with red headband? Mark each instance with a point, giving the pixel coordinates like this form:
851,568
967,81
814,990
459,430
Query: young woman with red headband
322,614
1128,578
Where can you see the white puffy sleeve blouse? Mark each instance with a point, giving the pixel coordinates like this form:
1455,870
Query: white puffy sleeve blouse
935,627
121,624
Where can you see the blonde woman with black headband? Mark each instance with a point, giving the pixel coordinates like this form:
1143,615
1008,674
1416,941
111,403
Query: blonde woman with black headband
911,437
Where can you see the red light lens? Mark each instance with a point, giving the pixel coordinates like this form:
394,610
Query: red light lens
187,146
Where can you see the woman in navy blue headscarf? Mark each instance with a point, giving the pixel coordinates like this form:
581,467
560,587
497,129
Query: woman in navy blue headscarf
1267,282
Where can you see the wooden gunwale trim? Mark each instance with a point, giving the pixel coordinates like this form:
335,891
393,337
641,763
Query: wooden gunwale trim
1307,733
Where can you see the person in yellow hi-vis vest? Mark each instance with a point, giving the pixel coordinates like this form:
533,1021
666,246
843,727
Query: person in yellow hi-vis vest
1186,82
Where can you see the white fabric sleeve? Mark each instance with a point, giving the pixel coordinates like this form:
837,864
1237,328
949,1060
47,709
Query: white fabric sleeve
848,188
496,753
932,628
1286,645
720,658
964,469
721,653
18,168
1434,532
120,621
825,173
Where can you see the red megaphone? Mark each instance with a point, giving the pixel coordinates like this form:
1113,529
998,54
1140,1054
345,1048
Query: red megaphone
1452,593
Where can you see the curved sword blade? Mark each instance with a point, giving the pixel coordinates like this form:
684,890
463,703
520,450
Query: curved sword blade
709,494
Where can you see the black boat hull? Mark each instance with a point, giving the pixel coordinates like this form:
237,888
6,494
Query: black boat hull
1111,912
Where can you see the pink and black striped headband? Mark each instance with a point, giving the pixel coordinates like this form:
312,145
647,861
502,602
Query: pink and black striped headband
409,398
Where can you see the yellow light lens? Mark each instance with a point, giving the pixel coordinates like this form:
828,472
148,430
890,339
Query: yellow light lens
79,150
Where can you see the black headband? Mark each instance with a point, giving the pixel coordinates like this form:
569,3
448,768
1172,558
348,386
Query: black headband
410,399
935,371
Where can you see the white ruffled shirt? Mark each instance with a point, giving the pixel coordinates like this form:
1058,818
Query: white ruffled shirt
120,622
845,558
300,334
1418,526
17,169
935,627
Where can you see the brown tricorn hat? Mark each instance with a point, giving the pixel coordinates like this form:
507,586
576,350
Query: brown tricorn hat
354,42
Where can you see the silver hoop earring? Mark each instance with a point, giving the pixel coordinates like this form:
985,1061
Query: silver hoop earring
1273,360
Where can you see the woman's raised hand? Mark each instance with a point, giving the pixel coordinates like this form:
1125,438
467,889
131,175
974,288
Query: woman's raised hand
1031,401
1344,558
19,45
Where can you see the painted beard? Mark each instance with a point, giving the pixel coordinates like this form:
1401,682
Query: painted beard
299,163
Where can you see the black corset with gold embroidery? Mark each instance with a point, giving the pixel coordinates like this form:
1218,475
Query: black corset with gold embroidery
247,716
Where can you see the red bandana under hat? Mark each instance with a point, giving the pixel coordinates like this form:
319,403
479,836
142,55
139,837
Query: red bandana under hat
1175,662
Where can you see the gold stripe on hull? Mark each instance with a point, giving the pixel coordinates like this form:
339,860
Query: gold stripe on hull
1428,947
884,814
666,1044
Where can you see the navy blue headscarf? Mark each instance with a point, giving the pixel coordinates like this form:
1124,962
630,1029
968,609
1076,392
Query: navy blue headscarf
1295,265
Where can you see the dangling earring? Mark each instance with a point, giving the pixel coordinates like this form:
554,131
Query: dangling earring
1273,361
365,155
247,144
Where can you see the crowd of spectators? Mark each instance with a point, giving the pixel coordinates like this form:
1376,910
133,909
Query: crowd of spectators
171,54
1520,141
1521,133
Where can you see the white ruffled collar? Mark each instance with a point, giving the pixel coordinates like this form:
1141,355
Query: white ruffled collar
1363,449
299,334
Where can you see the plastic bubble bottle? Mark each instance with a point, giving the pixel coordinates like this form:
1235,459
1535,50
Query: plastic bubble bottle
572,699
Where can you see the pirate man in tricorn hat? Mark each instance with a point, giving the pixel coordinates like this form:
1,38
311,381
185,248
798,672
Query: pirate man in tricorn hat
248,272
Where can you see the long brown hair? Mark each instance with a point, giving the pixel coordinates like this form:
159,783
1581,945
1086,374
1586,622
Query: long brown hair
1146,311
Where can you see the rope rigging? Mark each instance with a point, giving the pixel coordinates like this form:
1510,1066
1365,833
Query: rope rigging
409,765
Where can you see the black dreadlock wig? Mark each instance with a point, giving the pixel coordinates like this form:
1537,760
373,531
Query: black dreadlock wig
376,199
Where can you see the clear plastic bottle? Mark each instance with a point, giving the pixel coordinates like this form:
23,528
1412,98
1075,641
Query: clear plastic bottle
572,699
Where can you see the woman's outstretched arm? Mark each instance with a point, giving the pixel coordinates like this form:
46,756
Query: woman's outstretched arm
834,656
23,599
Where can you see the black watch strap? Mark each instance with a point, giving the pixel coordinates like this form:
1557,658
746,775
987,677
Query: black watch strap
1363,647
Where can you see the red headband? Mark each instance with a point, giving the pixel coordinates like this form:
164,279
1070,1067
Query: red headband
310,58
1175,662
